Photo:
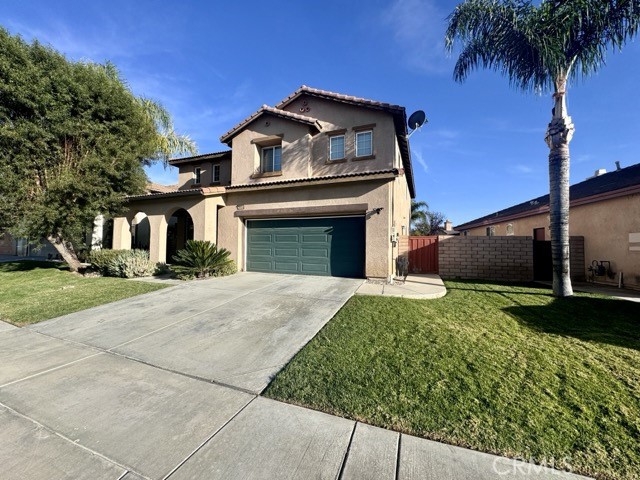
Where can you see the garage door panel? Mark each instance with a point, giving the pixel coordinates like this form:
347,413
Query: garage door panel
286,267
314,253
286,252
316,238
318,246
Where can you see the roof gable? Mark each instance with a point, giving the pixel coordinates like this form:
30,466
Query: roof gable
398,112
267,110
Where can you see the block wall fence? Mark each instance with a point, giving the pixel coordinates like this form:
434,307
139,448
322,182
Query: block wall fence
498,258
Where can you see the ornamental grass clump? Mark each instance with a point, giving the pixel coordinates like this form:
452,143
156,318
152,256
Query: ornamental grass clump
201,259
132,264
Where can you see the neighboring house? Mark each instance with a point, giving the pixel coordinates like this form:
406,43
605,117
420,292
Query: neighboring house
604,209
23,247
319,184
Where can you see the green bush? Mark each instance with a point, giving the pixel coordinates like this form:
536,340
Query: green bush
101,259
201,259
162,269
228,269
131,264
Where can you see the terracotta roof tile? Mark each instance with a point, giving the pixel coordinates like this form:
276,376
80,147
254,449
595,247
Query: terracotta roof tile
153,187
337,96
274,111
313,179
223,155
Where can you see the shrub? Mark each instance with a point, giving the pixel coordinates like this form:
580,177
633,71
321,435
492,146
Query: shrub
131,264
162,269
228,269
200,259
101,259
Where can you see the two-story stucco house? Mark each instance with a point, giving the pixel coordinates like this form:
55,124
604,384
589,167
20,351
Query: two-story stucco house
320,184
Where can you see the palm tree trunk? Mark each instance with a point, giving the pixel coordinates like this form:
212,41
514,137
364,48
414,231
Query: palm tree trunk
559,133
66,251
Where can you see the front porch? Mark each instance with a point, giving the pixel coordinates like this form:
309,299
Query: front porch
162,223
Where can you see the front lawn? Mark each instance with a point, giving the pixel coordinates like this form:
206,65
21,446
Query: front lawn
498,368
34,291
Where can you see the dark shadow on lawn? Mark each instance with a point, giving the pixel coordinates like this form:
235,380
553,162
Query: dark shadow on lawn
26,265
526,288
612,321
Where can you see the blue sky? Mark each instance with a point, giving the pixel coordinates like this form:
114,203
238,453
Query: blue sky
214,63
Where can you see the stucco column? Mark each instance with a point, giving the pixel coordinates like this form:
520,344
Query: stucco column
121,233
205,219
97,233
158,238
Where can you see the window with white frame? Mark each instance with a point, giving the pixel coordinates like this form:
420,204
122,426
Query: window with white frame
364,143
216,173
271,159
197,175
336,147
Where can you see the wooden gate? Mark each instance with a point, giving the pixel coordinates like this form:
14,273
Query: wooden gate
423,254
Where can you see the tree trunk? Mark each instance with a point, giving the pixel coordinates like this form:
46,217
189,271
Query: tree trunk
559,133
66,251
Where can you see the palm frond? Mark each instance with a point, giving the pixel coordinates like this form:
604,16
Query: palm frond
539,47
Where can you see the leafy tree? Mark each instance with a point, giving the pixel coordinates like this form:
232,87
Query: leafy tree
542,48
73,142
425,221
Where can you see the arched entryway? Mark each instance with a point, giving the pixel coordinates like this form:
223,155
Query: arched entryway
140,232
179,230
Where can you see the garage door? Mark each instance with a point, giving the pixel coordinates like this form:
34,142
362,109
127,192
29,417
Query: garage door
310,246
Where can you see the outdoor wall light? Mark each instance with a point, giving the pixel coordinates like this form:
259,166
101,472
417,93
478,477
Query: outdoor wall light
372,212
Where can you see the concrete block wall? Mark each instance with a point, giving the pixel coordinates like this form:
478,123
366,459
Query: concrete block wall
491,258
577,264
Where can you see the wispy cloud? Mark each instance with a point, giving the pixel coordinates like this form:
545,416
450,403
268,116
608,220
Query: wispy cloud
417,156
520,169
418,27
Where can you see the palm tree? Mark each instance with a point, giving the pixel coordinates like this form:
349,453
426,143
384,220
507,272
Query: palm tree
419,212
541,48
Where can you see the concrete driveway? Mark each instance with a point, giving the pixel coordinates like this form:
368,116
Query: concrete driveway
165,385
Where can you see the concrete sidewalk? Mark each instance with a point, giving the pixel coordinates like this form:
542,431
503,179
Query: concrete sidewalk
166,386
426,286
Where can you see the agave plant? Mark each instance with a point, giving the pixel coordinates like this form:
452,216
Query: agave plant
200,259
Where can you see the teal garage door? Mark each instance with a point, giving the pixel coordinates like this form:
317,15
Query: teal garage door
310,246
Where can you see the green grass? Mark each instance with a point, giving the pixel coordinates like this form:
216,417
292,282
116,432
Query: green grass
34,291
498,368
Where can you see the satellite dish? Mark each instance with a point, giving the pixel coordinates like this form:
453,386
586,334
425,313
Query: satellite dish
416,120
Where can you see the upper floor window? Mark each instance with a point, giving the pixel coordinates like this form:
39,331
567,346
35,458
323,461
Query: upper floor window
216,173
491,231
271,159
197,175
364,143
336,147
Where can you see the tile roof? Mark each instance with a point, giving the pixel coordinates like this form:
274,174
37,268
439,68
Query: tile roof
153,187
337,96
273,111
223,155
172,193
621,181
395,171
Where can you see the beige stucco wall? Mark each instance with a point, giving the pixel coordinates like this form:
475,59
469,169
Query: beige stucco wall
336,116
295,150
375,193
401,208
605,226
186,173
